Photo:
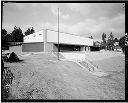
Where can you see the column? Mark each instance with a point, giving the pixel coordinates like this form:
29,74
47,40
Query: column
45,40
87,48
82,48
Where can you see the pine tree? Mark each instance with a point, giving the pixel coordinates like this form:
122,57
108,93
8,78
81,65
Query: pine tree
17,35
29,31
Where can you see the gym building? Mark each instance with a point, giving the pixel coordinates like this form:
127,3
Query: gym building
47,41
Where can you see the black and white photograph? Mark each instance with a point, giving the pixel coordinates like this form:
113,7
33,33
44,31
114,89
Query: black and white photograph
63,51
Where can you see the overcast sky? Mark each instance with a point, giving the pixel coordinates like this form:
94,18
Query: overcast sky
82,19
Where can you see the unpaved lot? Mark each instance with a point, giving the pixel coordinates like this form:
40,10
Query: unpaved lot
43,77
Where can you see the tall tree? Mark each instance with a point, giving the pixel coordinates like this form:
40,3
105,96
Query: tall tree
104,40
122,43
17,35
111,36
3,36
110,41
29,31
4,33
32,30
103,37
9,37
4,40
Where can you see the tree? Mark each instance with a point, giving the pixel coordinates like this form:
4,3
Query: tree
111,36
104,40
122,43
103,37
4,33
29,31
32,30
17,35
110,42
8,37
3,39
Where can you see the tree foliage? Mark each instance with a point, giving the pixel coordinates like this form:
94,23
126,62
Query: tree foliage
29,31
4,33
8,38
122,43
17,35
111,36
103,37
110,42
3,38
104,40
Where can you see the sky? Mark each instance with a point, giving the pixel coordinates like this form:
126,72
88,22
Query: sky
83,19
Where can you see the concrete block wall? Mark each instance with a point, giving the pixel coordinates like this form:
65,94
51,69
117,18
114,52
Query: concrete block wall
33,47
49,47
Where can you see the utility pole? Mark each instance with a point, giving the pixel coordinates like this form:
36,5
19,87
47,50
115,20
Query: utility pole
58,33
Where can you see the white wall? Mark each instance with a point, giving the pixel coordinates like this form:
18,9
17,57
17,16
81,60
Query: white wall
35,37
52,36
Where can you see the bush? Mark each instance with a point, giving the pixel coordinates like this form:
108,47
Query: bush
13,58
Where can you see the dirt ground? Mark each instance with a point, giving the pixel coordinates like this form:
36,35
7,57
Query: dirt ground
41,76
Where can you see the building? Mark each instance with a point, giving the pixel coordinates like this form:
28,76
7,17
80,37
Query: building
47,41
96,46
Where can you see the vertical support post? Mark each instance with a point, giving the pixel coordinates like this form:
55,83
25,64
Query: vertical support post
82,48
58,33
45,40
89,48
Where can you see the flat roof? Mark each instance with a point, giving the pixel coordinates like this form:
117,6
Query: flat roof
52,36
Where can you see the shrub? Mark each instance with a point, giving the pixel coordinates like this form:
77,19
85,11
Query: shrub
13,58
